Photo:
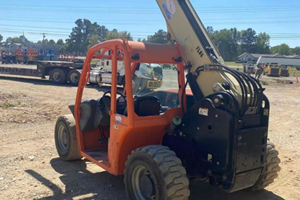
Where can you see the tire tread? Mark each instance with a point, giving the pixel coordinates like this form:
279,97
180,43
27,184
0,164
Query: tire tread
69,121
172,171
271,169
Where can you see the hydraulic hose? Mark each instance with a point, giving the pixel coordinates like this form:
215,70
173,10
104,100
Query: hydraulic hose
251,89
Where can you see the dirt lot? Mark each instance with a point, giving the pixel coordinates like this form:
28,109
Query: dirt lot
31,169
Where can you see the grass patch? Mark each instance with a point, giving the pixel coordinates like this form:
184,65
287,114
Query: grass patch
94,61
294,71
234,64
7,105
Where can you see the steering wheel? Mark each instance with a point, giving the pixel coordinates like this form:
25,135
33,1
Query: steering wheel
120,104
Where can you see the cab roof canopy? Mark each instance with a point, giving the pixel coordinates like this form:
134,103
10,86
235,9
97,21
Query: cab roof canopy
143,52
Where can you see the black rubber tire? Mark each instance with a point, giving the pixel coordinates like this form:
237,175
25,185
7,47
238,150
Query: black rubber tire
73,77
169,176
67,123
271,170
58,76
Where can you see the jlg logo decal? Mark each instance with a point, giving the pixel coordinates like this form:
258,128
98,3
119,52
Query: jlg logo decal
169,8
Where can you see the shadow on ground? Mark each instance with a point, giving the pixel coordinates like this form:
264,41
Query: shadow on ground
200,190
80,182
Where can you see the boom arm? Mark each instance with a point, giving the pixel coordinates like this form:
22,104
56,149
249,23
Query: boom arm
185,27
207,72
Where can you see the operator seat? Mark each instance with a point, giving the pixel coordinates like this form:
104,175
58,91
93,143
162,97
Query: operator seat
92,115
146,105
88,118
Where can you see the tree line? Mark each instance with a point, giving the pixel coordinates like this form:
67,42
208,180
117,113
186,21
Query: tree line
230,42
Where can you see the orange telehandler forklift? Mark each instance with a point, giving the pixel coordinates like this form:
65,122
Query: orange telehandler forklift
211,124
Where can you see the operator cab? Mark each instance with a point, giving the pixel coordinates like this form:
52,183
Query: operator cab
137,114
153,97
155,91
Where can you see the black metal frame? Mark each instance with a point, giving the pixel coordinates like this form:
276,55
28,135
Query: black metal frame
223,146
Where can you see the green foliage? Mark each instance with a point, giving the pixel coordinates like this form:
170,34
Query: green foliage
114,34
86,34
294,72
93,40
263,43
7,105
248,40
231,42
19,39
282,49
10,40
60,42
160,37
226,41
51,42
125,35
296,51
78,40
1,38
234,64
210,30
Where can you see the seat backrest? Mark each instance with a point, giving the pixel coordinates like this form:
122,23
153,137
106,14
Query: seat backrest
88,114
91,116
146,105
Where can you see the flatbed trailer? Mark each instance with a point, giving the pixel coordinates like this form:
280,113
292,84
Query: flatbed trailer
63,72
59,72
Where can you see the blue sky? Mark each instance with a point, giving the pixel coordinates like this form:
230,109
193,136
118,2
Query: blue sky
280,19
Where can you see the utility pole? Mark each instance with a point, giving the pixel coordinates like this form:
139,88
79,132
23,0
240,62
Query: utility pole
23,39
44,35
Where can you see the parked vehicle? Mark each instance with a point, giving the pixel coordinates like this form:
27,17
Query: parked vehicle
147,75
8,57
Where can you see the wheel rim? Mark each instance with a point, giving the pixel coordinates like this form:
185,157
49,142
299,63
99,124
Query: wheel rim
74,78
56,76
143,184
63,142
